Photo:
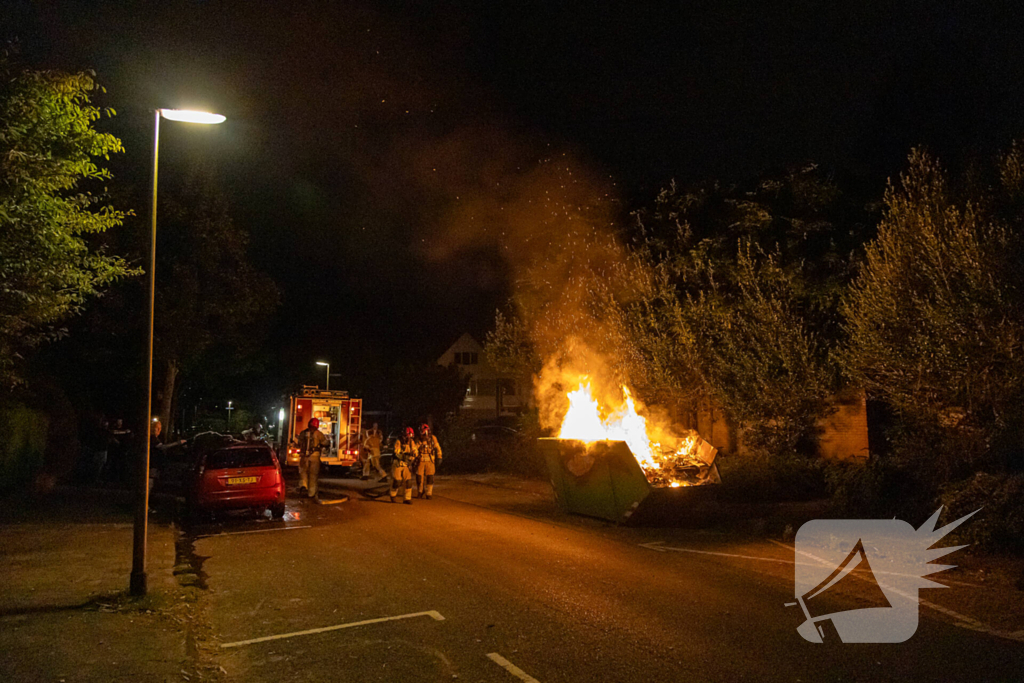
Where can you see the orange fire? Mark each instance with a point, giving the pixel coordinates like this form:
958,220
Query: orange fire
587,421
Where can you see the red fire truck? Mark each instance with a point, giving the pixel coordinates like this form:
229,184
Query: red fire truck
340,421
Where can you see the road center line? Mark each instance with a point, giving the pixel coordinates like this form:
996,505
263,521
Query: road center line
436,616
256,531
511,668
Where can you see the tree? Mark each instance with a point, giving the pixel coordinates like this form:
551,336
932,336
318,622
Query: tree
508,347
761,360
212,305
421,392
721,294
935,319
48,149
741,305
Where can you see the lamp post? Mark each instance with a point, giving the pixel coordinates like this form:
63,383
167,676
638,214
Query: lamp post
137,584
229,414
328,366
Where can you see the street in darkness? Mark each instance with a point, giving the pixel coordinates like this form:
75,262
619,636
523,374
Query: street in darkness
543,342
558,598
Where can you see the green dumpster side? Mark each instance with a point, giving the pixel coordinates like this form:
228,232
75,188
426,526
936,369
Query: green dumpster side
610,485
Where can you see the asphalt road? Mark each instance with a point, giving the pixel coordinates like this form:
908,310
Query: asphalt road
486,584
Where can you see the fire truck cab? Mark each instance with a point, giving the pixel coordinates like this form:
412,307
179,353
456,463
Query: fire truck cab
340,421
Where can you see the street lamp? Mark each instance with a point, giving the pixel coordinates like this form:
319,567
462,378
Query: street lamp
137,584
229,414
328,366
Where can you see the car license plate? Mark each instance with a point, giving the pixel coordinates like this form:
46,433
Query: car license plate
242,480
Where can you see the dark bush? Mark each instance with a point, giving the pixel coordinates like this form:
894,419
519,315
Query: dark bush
752,479
1000,523
878,489
514,452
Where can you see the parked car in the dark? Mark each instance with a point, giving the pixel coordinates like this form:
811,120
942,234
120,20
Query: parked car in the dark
492,432
231,474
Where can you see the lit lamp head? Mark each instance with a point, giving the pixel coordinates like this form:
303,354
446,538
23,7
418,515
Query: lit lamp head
190,116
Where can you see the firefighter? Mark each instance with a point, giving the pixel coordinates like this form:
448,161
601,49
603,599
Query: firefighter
371,452
428,452
311,443
405,453
254,433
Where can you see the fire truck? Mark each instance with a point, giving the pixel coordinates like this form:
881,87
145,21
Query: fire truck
340,421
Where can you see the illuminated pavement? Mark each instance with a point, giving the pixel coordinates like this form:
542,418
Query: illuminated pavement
486,584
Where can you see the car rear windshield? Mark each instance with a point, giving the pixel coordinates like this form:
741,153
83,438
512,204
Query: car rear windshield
233,458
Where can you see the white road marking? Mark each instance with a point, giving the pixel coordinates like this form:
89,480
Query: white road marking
962,620
511,668
657,545
256,531
436,616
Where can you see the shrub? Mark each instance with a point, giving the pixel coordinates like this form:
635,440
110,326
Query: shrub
514,455
767,480
23,438
878,489
1000,523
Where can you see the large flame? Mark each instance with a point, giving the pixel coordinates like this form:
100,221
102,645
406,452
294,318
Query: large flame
586,421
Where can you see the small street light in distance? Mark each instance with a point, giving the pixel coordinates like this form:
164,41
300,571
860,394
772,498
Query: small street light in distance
328,366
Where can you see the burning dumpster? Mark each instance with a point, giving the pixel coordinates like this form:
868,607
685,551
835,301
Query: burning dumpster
613,465
604,479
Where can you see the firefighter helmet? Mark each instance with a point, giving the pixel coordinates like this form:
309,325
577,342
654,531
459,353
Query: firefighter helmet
424,429
410,432
315,423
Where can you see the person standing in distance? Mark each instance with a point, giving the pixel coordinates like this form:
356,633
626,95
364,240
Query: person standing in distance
311,443
429,453
371,452
401,476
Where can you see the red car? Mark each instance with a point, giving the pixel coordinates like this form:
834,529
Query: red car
233,474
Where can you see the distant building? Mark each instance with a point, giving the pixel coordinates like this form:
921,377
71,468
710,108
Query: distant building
490,394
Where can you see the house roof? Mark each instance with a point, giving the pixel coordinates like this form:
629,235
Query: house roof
466,342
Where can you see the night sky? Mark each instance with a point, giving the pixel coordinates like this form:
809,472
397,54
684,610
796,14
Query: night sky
355,129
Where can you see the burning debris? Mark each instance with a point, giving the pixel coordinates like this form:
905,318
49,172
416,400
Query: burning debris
613,457
667,460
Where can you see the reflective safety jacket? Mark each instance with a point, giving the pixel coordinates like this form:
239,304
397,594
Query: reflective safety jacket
311,441
373,439
405,451
428,449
